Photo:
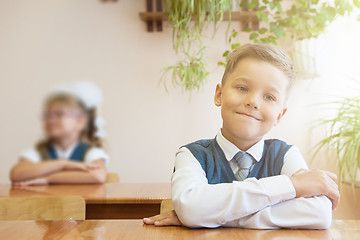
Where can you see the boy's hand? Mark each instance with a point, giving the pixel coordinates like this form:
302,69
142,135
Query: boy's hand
165,219
310,183
32,182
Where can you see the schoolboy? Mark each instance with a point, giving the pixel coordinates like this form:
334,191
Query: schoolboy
238,179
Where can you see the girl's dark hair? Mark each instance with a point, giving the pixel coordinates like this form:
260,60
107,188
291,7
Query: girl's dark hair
89,132
86,136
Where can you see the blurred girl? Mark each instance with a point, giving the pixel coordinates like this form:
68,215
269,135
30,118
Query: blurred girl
71,152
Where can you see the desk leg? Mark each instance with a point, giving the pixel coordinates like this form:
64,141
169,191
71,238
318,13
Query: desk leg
121,211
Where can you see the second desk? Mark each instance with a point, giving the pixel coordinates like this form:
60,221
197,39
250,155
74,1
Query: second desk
104,201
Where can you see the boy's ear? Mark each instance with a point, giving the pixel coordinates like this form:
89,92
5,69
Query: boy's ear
217,97
281,114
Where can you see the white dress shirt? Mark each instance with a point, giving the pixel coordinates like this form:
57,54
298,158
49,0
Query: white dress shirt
91,155
265,203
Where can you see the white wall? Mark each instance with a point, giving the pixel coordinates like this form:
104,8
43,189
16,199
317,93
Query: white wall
44,43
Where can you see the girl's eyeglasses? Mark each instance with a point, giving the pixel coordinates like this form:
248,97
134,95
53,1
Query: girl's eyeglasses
57,114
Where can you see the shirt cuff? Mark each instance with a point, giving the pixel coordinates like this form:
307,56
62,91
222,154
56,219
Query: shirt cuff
279,188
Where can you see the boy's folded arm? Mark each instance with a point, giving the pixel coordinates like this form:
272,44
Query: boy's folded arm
199,204
306,213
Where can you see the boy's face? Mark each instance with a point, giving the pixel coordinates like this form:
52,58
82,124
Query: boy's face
252,101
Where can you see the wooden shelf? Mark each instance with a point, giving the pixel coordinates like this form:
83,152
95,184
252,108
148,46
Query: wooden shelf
235,16
154,16
245,18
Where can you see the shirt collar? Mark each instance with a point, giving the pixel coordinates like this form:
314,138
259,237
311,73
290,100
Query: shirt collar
230,149
64,154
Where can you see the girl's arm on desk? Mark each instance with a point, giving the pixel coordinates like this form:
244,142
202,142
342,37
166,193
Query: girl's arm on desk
26,171
97,175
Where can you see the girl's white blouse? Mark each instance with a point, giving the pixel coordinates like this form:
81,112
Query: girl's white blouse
93,154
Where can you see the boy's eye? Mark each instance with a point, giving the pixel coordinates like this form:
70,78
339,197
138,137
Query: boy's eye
243,89
269,98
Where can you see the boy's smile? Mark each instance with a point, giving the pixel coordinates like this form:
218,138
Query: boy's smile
252,101
248,116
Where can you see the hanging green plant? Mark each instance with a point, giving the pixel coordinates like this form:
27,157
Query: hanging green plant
189,73
188,19
181,13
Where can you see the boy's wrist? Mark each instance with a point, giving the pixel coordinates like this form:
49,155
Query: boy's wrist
295,185
279,188
295,180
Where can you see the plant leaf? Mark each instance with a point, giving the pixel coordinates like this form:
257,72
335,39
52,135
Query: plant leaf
262,30
235,46
277,30
254,36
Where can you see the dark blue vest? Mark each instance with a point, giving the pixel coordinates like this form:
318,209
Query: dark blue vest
217,168
77,155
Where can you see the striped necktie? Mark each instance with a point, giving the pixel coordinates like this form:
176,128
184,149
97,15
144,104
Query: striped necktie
245,161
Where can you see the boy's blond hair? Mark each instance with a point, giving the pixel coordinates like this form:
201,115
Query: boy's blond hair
265,52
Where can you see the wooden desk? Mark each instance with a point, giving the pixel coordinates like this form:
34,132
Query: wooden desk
105,201
134,229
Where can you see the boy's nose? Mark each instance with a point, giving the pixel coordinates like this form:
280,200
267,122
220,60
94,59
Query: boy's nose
253,102
253,106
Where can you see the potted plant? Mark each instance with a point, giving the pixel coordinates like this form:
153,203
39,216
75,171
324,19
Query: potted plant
344,138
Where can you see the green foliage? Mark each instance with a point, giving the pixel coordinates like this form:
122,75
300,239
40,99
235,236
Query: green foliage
303,20
188,18
344,136
189,73
181,12
357,3
233,47
187,36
